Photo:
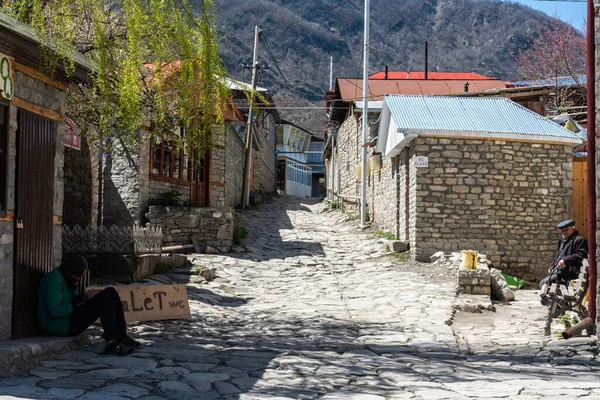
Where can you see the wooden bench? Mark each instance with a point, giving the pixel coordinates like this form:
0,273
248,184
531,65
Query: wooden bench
568,296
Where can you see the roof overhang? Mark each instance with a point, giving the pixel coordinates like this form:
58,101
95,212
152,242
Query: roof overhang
22,42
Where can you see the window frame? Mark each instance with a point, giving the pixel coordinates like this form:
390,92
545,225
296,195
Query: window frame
180,180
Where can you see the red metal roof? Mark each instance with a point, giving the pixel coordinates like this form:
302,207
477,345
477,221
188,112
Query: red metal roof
468,76
350,89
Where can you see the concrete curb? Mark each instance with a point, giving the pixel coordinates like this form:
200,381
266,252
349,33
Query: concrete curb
23,354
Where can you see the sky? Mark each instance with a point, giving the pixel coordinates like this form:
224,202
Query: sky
568,11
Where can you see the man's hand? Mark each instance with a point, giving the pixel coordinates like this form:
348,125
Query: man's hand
561,264
82,298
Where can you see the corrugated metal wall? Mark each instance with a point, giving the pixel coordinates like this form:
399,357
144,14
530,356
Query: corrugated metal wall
34,207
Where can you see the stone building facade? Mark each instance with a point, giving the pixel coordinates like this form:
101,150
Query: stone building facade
31,167
501,197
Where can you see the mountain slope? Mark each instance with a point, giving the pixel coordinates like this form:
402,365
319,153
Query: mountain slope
300,36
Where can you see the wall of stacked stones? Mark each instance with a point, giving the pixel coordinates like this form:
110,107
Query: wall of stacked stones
7,233
212,226
121,169
349,140
234,171
264,159
497,197
217,168
596,155
81,185
383,197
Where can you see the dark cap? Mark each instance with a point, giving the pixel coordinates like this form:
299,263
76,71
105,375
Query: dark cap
566,224
76,265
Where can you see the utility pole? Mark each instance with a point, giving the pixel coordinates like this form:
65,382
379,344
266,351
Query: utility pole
365,121
250,124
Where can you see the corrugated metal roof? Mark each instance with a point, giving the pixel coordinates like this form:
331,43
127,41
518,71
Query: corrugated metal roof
469,114
351,89
470,76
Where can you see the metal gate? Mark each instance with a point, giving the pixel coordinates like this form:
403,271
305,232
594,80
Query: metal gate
34,197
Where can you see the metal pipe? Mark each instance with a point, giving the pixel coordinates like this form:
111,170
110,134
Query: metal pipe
365,118
591,150
426,61
577,328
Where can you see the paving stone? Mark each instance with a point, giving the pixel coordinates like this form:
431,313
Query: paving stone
225,388
63,393
174,386
124,390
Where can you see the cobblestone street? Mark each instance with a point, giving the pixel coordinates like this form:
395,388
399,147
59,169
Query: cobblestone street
312,308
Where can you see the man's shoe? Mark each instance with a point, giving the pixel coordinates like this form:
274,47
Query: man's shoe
545,299
118,349
130,342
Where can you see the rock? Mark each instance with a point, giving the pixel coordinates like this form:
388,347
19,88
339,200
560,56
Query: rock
174,386
397,246
211,250
439,256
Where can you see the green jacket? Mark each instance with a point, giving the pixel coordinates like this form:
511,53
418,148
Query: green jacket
55,303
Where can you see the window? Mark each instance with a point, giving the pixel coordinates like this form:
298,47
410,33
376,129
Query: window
3,155
168,162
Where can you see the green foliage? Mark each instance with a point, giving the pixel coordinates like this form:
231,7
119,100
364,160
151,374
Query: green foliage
239,233
168,198
162,268
155,60
401,257
382,234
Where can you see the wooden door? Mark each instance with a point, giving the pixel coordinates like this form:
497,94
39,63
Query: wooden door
34,197
580,194
201,181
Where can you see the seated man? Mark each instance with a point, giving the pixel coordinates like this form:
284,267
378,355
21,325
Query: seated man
64,312
572,250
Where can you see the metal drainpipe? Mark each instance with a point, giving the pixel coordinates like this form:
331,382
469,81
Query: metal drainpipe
591,150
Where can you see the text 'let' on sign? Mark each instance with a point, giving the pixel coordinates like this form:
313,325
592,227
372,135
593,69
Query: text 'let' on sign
151,302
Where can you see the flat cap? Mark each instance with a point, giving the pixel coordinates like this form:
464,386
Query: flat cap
566,224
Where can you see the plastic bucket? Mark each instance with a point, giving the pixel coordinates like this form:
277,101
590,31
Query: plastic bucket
469,259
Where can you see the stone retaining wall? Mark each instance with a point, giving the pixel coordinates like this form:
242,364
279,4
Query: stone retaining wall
211,226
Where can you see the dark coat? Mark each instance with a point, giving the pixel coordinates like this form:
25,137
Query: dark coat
55,303
572,250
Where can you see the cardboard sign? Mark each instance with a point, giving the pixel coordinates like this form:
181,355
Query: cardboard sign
151,302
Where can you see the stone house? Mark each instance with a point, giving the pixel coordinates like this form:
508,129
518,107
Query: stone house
32,114
122,184
452,173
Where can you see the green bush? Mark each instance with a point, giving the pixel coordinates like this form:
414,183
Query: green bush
239,233
162,268
168,198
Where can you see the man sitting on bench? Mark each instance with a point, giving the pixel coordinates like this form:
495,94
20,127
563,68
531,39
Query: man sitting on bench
572,250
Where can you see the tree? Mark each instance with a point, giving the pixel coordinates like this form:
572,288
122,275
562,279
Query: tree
557,51
153,59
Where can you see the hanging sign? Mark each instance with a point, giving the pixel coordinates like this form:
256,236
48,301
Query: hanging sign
6,77
72,137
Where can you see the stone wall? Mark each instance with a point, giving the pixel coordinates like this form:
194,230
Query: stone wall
499,198
234,171
7,234
382,196
218,167
264,159
158,187
348,143
212,226
120,185
81,185
596,155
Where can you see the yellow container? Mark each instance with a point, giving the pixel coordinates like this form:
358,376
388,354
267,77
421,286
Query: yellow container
469,259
